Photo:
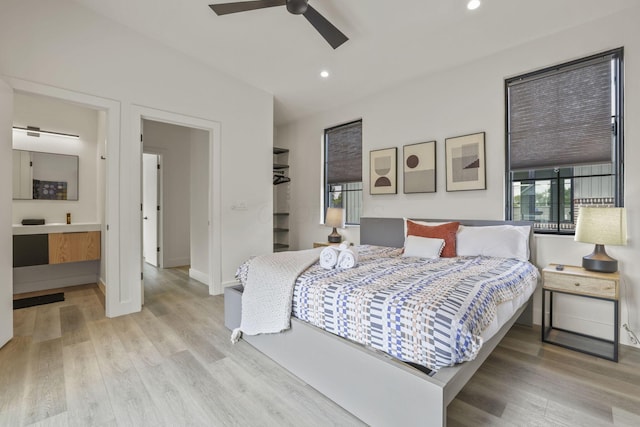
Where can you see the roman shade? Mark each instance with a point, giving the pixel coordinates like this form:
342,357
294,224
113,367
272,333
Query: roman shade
344,153
561,118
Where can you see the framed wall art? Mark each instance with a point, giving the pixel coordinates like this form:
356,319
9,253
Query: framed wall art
465,162
383,172
419,167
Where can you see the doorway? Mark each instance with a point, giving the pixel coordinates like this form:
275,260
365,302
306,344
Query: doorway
116,302
176,186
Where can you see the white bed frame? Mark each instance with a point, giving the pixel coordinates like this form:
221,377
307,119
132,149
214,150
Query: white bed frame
378,389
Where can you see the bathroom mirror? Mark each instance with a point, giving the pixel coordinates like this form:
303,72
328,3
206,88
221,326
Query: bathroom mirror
44,176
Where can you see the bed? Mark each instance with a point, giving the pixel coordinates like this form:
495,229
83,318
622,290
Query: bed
377,388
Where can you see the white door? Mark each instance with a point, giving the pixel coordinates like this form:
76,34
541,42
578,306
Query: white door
6,196
150,208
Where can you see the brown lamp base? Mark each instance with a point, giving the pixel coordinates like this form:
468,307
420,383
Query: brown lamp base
334,237
599,261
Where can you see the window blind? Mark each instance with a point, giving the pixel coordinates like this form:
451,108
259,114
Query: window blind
561,118
344,153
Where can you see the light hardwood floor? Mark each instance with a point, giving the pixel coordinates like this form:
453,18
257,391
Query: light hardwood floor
173,364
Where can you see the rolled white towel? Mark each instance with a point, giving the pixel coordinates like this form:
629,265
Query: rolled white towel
344,245
348,258
329,257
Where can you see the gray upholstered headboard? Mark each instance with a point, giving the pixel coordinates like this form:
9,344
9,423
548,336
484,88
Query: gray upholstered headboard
390,231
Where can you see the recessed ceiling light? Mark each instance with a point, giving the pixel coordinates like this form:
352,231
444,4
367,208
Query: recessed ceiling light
473,4
324,74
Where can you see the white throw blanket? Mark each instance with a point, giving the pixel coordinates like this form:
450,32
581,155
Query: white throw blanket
268,291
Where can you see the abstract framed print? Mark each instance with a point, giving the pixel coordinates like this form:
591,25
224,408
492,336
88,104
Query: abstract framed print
383,171
419,167
465,162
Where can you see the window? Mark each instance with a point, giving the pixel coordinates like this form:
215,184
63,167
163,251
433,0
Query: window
343,169
564,141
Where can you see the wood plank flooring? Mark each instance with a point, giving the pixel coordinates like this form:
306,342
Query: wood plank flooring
173,364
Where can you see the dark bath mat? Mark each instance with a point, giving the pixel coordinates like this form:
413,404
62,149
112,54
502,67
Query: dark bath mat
42,299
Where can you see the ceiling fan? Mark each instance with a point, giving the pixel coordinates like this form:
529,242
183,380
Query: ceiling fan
297,7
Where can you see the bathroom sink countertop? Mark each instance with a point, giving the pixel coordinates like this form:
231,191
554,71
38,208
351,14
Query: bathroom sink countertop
19,229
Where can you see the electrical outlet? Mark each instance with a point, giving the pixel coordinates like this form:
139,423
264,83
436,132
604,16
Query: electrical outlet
240,205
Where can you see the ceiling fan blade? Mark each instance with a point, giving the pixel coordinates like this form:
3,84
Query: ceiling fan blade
331,34
243,6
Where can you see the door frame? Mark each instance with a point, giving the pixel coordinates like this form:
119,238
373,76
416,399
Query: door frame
118,299
140,113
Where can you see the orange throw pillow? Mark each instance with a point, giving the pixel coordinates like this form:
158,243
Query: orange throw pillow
446,231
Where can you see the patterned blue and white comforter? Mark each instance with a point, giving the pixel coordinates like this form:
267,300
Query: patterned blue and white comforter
428,312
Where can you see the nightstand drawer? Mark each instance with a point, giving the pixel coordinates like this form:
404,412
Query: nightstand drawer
598,287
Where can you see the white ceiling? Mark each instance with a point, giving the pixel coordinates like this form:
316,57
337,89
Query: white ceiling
390,41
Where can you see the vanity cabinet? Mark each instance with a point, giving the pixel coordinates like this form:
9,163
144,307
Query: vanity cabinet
51,256
55,248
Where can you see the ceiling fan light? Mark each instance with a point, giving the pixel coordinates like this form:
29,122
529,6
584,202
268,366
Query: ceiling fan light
297,7
473,4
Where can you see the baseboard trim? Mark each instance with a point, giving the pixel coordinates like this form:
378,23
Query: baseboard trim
55,290
175,262
199,276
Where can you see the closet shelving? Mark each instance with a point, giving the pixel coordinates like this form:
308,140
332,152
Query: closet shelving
280,199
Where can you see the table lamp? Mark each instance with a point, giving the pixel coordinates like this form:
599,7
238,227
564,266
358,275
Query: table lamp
334,218
602,226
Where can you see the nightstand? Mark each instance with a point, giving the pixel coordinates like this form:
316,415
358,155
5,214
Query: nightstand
586,284
322,244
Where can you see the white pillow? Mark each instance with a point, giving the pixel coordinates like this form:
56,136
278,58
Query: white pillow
503,241
423,247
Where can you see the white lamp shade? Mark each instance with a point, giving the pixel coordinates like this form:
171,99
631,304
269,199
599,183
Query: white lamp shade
334,217
602,226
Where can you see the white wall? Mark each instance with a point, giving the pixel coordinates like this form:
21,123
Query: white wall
63,45
464,100
173,143
199,205
51,114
